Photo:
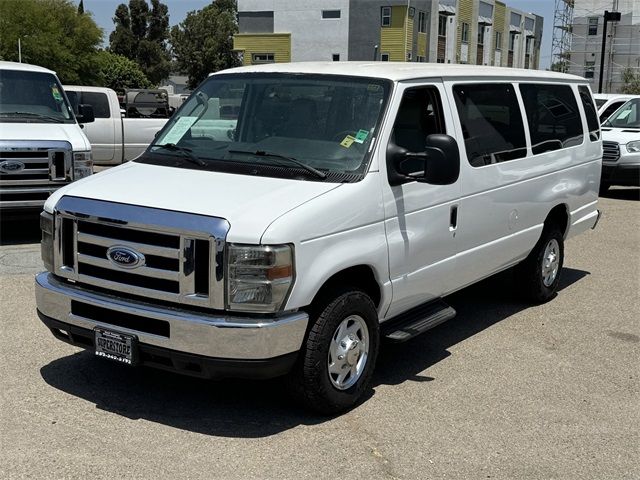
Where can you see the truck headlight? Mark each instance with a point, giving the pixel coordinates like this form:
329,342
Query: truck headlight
259,277
633,147
46,245
82,165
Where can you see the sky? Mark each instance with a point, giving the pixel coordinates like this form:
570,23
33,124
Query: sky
103,11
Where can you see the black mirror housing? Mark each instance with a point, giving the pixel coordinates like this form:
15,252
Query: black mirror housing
85,114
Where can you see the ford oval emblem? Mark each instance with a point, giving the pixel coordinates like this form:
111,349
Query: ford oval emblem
125,257
11,166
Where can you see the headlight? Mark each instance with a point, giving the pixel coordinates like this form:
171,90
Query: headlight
633,147
82,165
259,277
46,245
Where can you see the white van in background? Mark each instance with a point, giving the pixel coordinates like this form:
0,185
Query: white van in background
621,147
341,205
115,138
41,144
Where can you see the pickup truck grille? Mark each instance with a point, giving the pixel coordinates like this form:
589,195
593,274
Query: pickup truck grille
175,261
610,151
31,170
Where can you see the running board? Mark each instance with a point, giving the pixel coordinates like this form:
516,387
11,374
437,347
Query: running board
416,321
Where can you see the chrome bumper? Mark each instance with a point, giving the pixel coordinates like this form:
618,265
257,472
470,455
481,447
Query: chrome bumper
210,335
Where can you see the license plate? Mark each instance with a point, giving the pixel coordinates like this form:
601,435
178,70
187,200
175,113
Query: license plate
115,346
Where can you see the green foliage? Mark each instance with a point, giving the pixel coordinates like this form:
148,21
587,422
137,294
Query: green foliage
203,42
142,34
118,72
631,82
81,7
52,35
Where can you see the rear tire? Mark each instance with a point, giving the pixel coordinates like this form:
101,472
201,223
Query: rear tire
337,359
538,275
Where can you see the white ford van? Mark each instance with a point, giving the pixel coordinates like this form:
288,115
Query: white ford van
291,216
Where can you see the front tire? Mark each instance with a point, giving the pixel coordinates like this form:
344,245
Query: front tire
338,357
538,275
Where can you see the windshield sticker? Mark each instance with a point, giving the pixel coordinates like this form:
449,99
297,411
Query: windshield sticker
361,136
348,141
182,125
56,93
372,87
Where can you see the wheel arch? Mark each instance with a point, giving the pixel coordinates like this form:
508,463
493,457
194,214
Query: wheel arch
558,216
358,276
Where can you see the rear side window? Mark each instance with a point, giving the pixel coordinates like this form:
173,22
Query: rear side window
491,123
99,102
590,112
553,116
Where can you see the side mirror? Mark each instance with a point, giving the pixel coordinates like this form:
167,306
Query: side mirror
439,164
85,114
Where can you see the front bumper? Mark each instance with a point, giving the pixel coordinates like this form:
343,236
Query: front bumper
224,345
623,174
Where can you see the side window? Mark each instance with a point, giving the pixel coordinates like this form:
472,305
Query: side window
590,112
74,99
419,115
99,102
491,123
609,110
554,119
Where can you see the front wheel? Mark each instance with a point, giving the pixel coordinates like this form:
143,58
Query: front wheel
539,274
338,357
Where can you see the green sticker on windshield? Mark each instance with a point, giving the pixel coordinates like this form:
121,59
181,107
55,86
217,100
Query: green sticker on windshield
361,136
56,93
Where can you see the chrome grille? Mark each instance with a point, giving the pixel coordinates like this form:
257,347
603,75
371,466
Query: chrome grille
183,253
610,151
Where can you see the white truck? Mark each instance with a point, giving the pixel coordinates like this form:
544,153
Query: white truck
42,147
341,205
115,138
621,147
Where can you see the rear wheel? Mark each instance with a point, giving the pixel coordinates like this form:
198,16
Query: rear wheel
539,274
338,357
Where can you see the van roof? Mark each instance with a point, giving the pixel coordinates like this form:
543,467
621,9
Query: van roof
24,67
398,71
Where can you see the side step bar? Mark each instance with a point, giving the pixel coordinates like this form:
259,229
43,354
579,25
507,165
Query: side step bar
416,321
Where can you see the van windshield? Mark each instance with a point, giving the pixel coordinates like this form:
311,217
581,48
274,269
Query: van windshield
32,97
627,116
312,127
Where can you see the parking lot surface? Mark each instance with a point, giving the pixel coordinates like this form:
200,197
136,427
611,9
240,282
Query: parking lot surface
504,390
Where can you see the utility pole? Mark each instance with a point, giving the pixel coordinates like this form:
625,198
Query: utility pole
608,17
19,51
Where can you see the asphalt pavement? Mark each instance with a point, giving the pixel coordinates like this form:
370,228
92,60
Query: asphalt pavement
503,391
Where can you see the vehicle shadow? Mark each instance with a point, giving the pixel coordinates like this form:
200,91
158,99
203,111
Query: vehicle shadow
627,193
251,409
20,229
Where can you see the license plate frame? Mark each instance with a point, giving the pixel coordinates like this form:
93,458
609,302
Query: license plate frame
116,346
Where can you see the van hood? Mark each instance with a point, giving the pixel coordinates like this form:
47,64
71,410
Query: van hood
620,135
250,204
69,132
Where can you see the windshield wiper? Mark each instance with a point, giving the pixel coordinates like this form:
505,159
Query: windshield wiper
261,153
187,153
31,114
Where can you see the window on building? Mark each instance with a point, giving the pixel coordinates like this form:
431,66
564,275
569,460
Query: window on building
440,60
480,34
465,32
386,16
384,57
498,40
411,12
335,57
421,59
491,123
442,25
258,58
512,41
553,117
422,22
589,69
331,14
590,112
593,26
409,56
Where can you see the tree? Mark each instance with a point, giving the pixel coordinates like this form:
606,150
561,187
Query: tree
203,42
142,35
118,72
52,35
631,82
81,7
